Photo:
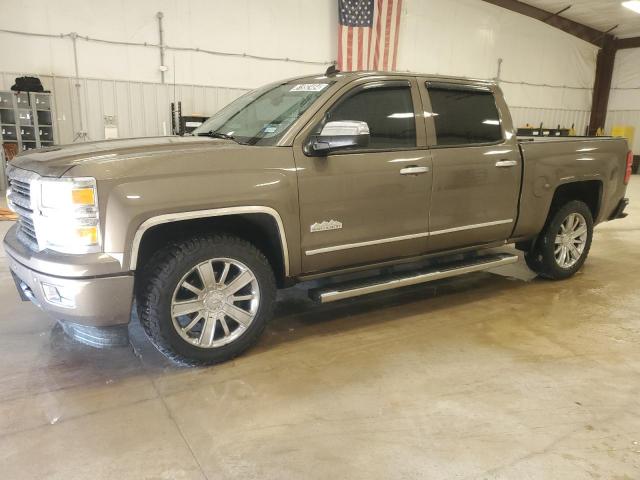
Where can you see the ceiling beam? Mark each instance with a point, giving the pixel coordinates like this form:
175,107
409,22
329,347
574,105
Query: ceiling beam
622,43
588,34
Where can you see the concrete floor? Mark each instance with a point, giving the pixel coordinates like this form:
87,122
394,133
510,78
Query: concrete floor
486,376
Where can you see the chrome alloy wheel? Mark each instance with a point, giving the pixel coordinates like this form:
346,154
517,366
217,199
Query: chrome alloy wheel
215,302
571,240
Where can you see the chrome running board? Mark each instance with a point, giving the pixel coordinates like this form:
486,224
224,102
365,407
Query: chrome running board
334,293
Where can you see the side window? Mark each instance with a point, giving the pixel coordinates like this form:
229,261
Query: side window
387,110
464,116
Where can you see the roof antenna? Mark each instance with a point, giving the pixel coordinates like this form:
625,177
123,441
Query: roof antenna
332,70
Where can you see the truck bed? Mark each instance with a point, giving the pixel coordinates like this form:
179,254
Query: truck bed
550,162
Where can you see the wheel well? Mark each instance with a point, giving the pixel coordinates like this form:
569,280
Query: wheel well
260,229
589,192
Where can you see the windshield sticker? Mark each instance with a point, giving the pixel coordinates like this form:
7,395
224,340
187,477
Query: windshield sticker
270,128
309,87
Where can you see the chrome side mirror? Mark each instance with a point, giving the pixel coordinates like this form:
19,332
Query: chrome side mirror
340,135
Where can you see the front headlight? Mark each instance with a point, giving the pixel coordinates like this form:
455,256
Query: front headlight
68,220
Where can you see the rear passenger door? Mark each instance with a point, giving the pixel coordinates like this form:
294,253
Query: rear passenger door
476,165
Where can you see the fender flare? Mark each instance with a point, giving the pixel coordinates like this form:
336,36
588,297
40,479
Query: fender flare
216,212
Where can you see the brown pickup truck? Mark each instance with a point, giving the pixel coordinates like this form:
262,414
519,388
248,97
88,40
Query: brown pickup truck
359,175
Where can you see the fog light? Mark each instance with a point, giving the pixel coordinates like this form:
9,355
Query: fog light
57,296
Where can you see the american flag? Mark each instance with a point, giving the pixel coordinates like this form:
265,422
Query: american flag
368,34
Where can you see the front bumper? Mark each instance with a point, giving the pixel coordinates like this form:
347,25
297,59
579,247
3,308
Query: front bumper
92,300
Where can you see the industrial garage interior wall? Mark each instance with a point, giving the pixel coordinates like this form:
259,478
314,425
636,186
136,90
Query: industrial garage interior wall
624,102
467,37
137,109
122,82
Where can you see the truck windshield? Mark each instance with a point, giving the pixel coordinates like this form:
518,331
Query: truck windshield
262,116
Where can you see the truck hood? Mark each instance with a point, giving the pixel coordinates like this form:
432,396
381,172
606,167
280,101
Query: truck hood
56,161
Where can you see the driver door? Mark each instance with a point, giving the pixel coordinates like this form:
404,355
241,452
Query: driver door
369,204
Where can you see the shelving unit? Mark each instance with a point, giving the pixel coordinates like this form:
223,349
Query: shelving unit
26,121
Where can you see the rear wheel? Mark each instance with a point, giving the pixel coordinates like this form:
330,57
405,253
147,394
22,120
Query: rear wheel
207,299
564,244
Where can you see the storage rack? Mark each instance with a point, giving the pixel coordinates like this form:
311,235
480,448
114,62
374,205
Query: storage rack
26,121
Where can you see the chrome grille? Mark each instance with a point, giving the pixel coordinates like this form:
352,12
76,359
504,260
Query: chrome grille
20,198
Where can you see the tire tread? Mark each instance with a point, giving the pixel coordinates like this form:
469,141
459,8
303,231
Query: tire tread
153,285
541,259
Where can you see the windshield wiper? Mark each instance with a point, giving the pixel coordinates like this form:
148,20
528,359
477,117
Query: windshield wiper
214,134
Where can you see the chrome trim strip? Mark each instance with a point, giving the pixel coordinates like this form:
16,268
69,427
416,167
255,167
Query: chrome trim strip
217,212
471,227
404,237
335,295
364,244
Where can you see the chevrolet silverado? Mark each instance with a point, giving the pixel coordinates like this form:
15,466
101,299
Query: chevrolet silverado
360,175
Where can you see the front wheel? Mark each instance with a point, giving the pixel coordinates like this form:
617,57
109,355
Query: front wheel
206,299
564,244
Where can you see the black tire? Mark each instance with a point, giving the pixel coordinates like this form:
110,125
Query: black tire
541,258
167,267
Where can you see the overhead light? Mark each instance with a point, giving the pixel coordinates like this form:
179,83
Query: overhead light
401,115
632,5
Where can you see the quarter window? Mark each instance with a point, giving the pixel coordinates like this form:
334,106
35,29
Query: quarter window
464,116
387,110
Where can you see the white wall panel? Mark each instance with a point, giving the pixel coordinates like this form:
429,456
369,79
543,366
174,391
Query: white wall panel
140,109
296,29
547,74
624,102
462,37
467,37
625,91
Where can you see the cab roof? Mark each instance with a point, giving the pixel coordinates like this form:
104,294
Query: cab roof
347,77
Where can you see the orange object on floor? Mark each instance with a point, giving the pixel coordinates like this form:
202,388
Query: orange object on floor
7,215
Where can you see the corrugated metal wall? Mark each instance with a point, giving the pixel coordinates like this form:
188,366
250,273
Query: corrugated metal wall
138,108
142,109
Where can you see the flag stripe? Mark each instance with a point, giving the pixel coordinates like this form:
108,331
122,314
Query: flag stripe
397,34
369,61
360,41
376,54
387,34
340,44
365,48
349,48
354,48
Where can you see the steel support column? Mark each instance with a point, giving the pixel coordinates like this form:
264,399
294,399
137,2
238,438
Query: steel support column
602,85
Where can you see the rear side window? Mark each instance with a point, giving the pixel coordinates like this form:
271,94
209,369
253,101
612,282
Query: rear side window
464,116
387,110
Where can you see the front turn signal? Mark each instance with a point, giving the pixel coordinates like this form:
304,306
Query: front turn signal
83,196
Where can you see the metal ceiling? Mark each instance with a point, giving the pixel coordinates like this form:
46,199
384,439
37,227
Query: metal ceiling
599,14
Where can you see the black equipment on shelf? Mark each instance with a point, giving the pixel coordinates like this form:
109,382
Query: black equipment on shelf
28,84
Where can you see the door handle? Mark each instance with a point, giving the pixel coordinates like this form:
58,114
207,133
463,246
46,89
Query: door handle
506,163
414,170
